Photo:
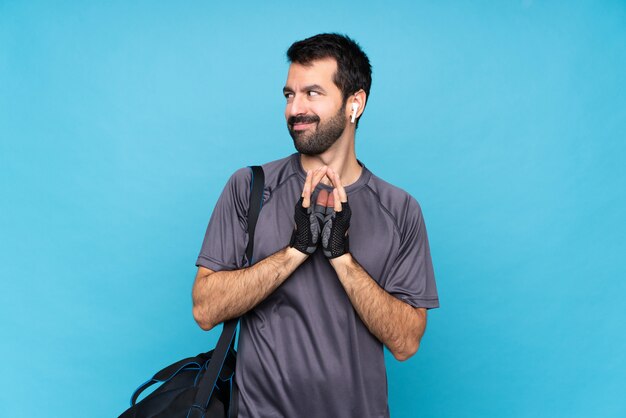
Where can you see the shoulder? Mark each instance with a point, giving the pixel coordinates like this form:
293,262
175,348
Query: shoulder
275,173
279,171
397,202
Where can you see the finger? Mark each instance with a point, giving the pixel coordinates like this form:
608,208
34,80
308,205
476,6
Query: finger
306,191
318,175
336,200
331,200
313,177
322,198
333,176
336,180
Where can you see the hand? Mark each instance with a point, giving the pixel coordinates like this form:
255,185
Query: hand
308,219
336,220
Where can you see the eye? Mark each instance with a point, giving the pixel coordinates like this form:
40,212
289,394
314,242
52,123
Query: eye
313,93
288,95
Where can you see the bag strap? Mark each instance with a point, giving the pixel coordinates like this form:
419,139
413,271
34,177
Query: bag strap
166,374
227,339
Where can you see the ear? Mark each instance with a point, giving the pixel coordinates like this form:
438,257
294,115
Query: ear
358,99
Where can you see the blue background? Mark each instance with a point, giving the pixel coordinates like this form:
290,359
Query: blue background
120,123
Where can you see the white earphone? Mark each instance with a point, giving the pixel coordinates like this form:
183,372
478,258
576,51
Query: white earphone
355,107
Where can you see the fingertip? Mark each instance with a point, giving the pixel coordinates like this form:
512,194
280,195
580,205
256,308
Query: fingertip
337,202
322,197
330,201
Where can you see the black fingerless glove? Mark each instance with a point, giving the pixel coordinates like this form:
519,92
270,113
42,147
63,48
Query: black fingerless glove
306,234
334,231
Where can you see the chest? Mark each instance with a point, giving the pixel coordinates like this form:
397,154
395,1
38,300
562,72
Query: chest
374,239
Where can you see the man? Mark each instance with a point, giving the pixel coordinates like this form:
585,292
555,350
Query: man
354,272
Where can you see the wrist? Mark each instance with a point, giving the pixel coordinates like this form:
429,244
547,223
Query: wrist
341,261
296,255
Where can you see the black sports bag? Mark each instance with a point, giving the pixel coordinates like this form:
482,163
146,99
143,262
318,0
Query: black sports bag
201,386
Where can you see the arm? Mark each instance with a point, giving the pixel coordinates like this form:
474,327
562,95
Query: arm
219,296
395,323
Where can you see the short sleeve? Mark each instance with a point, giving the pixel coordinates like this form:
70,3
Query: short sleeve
226,238
411,277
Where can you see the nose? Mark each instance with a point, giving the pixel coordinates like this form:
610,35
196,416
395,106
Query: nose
296,106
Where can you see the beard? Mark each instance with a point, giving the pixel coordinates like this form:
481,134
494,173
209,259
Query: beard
322,137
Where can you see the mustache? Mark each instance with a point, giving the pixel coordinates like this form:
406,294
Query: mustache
303,119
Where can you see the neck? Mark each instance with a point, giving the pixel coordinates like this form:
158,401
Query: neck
341,157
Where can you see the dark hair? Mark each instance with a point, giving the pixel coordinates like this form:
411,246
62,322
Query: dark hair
354,71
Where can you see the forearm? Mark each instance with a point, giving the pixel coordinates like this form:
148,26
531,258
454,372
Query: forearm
223,295
395,323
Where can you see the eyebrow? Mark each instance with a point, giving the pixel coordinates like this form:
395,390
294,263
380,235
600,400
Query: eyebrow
316,87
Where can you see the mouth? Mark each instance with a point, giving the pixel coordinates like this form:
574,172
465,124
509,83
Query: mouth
302,122
300,126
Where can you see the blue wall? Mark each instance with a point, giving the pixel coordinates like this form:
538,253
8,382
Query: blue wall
120,123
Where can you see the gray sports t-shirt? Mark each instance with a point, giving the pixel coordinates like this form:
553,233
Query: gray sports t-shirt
304,351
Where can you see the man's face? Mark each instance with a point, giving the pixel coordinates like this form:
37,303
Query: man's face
315,111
